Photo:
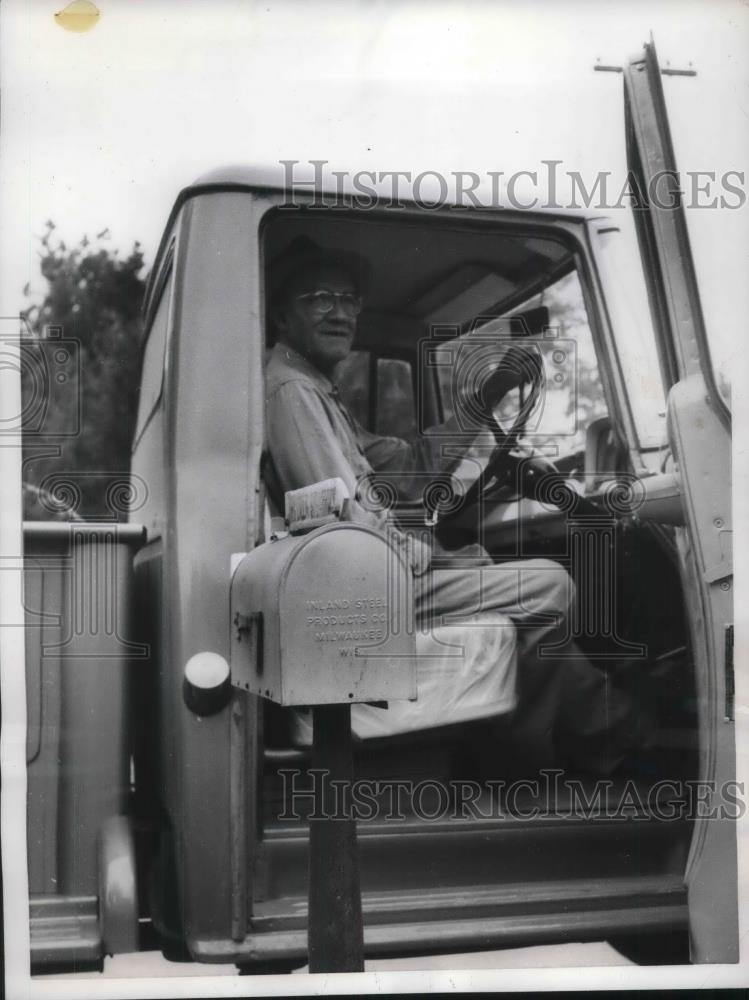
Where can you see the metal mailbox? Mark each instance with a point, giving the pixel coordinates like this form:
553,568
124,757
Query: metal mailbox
324,618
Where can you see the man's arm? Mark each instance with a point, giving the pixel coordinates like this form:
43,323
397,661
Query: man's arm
444,448
301,439
427,452
304,449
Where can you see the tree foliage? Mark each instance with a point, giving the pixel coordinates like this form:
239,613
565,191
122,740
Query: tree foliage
88,316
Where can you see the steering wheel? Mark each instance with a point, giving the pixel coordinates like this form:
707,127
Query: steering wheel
501,469
530,475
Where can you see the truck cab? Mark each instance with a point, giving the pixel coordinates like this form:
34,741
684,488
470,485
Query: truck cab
633,421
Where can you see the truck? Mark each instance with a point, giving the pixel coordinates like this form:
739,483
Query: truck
156,819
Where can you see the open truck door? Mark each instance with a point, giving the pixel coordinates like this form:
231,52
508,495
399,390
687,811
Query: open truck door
699,436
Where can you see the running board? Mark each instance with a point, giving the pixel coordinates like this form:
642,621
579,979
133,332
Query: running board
509,917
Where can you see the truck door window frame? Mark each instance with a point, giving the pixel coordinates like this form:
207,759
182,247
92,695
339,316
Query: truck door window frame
162,297
662,232
572,233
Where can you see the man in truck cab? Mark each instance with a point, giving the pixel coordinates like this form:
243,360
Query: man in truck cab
567,713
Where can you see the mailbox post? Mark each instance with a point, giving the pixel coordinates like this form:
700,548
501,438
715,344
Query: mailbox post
335,932
322,618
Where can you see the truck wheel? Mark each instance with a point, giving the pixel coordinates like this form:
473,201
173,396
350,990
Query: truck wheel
660,948
118,895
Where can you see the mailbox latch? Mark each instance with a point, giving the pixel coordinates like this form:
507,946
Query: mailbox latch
249,629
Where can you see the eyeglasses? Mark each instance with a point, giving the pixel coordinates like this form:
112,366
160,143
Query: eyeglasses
322,301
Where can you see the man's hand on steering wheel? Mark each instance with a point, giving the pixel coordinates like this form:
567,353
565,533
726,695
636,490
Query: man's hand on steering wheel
520,364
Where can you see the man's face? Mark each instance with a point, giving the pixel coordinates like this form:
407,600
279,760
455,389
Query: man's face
324,338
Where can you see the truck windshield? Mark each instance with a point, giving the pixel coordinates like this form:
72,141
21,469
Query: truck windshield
573,395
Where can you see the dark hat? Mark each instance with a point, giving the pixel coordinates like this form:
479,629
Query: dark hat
303,254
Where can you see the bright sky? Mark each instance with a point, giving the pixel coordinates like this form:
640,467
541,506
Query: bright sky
102,129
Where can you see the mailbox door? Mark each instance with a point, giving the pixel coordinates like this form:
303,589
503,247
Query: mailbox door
347,630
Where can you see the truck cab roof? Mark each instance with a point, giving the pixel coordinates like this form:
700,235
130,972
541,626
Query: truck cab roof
342,184
449,265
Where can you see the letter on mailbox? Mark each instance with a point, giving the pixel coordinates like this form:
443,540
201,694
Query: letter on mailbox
323,618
